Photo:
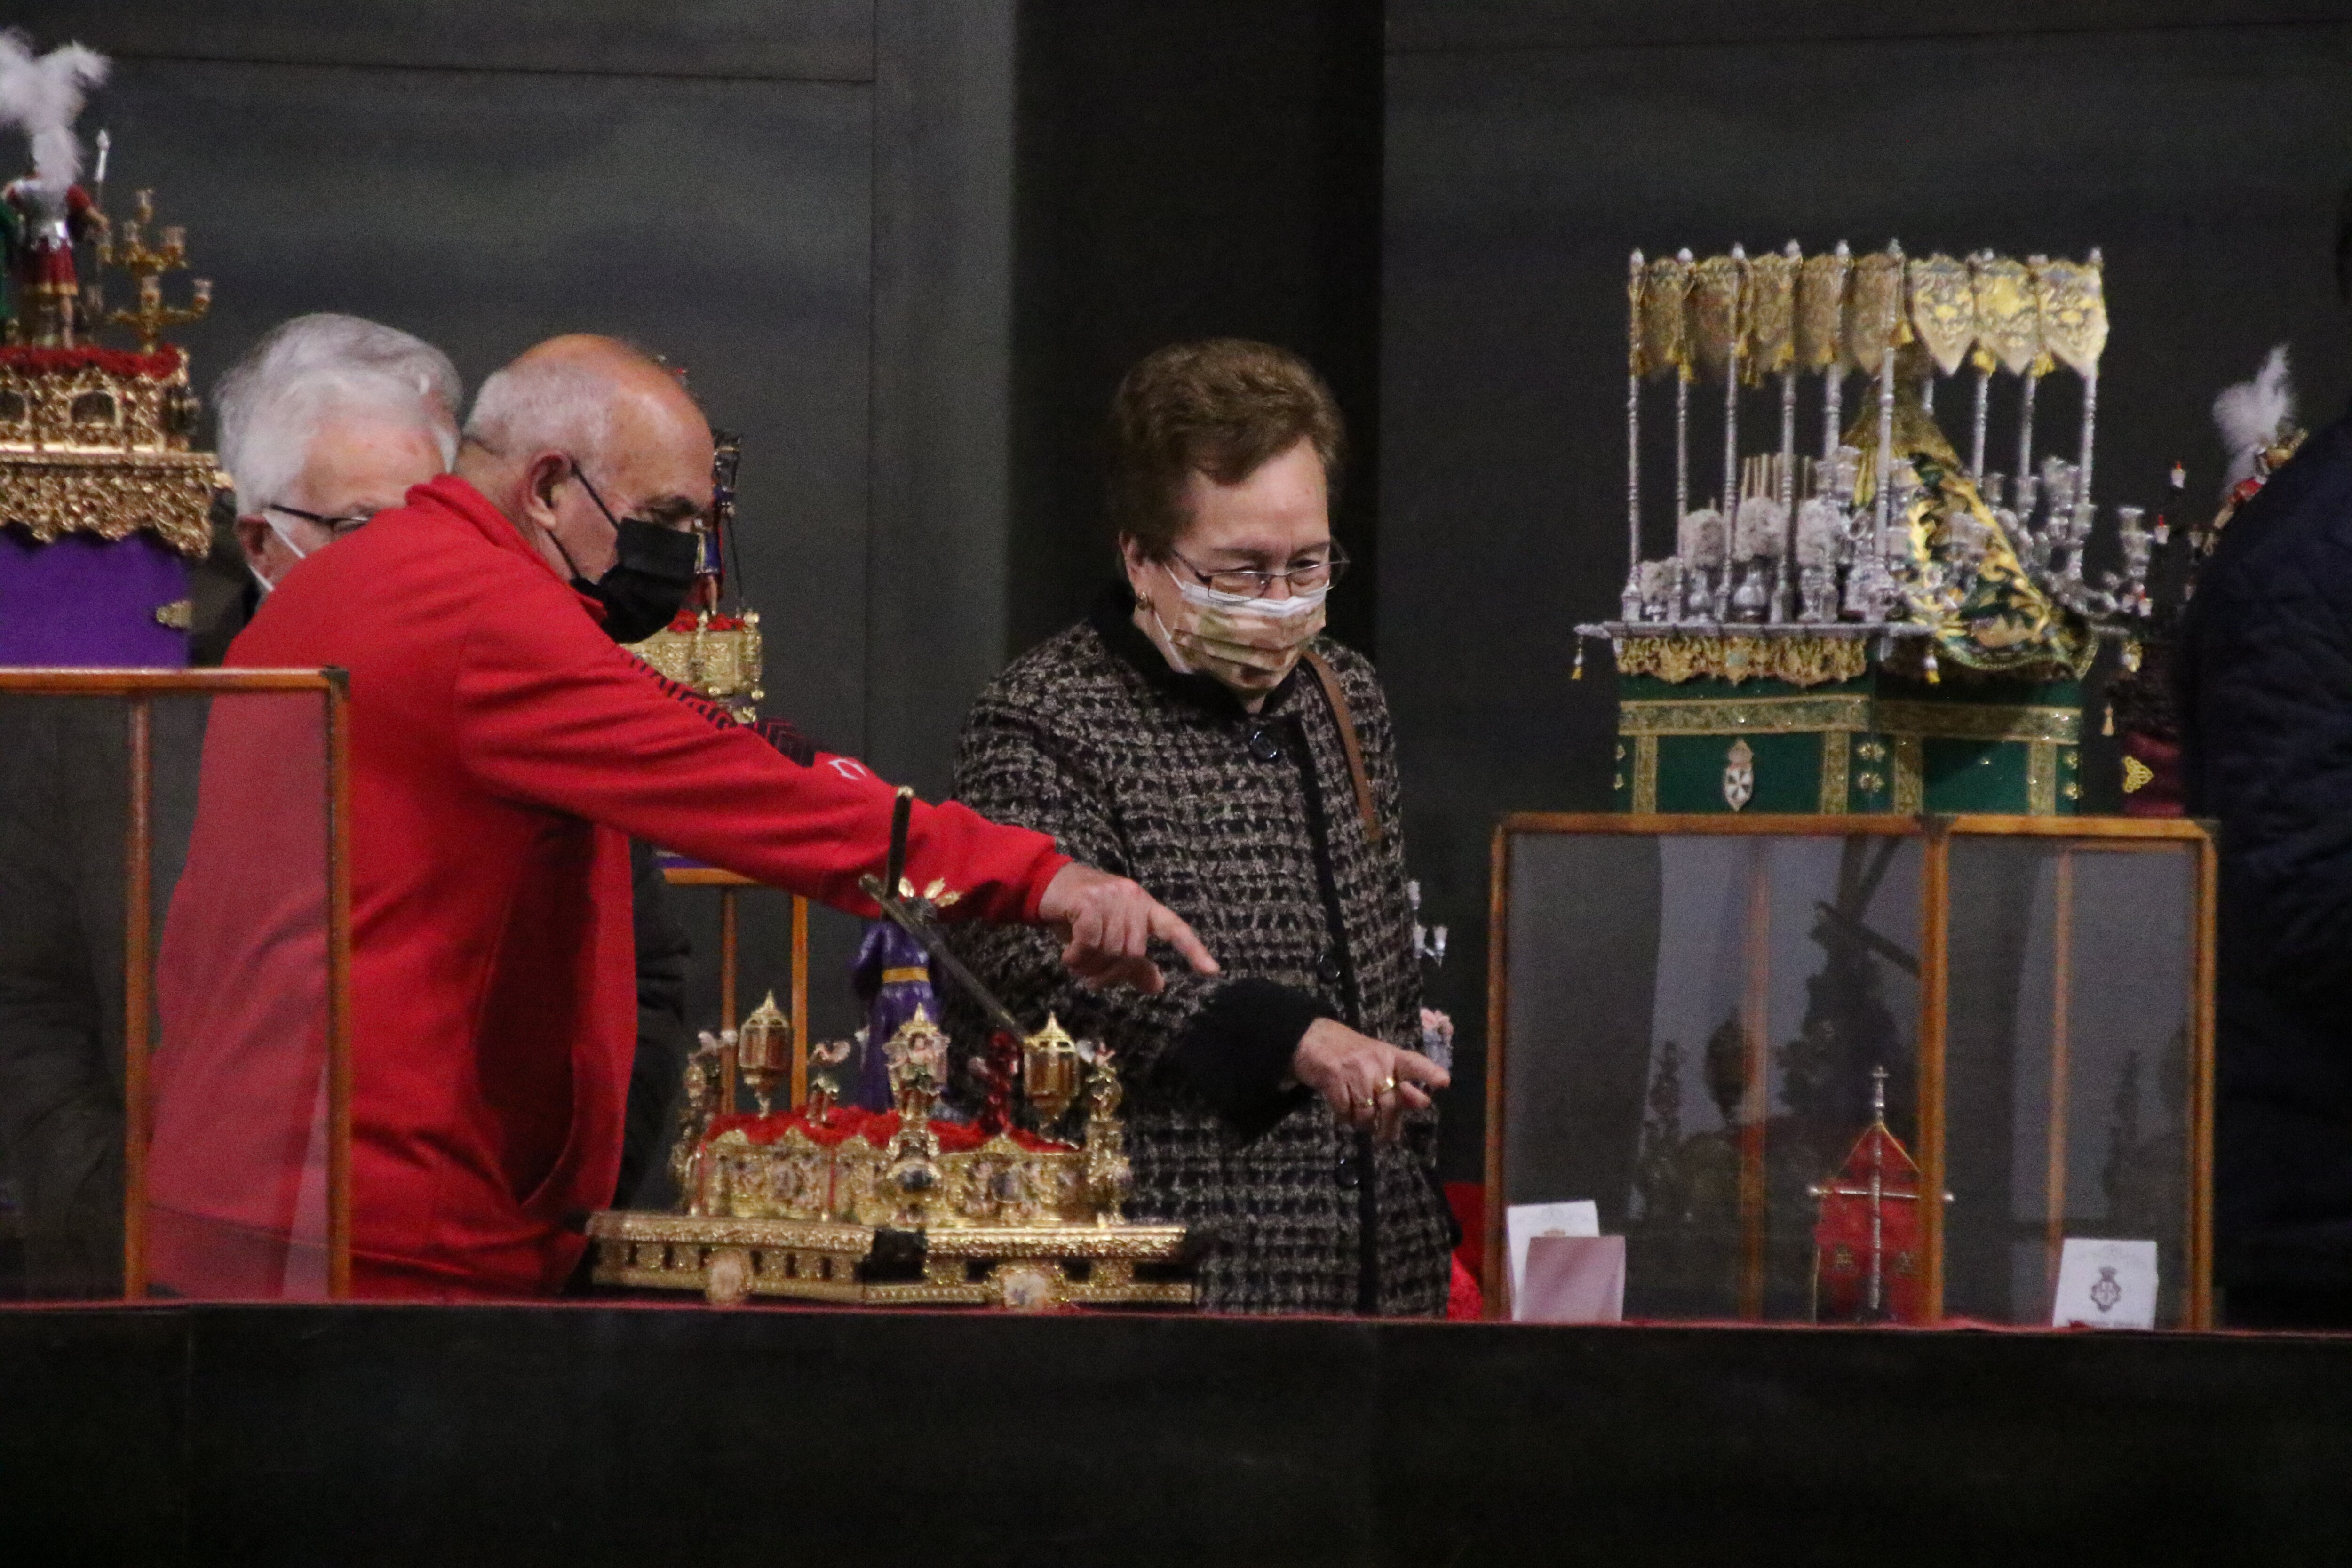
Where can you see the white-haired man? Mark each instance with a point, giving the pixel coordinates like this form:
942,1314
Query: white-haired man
326,421
502,746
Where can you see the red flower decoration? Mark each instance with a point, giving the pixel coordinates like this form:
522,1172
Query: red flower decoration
161,366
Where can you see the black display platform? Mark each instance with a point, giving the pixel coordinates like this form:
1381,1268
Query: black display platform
644,1435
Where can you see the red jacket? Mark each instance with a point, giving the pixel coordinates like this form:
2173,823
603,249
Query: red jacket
503,749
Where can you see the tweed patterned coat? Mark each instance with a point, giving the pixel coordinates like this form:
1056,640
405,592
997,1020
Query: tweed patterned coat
1248,826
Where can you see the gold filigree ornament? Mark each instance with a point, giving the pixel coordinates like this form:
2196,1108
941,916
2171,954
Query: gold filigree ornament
1798,660
1873,313
722,661
90,450
1664,346
1943,310
1646,718
1820,310
2008,318
129,250
763,1051
1716,288
1050,1070
2072,299
1769,326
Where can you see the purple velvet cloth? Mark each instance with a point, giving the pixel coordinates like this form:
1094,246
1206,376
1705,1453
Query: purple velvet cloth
889,1005
90,602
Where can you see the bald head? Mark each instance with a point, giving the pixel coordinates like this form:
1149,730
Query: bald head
626,423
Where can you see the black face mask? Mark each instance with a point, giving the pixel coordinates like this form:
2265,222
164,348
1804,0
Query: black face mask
649,580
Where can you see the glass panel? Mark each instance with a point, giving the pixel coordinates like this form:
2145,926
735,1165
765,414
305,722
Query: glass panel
2069,1064
62,771
232,1030
237,1172
1695,1023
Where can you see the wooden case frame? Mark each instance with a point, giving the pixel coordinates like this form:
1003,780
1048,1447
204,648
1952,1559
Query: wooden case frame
1937,834
138,691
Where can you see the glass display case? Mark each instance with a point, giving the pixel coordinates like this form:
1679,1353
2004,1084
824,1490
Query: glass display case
175,1073
1763,1046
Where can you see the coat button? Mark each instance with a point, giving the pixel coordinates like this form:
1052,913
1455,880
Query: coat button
1347,1172
1263,745
1327,970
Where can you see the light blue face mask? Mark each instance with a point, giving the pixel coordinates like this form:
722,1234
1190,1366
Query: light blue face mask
284,538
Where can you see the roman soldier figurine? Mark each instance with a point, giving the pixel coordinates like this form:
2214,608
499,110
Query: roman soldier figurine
47,220
47,213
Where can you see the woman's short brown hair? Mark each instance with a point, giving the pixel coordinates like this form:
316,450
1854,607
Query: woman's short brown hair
1223,406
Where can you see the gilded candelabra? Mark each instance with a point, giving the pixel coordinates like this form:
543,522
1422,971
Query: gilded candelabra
131,251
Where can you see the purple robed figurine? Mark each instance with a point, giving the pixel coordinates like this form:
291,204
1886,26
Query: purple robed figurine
892,975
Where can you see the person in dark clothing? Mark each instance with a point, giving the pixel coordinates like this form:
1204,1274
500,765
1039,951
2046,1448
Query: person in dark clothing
2265,671
63,775
662,1039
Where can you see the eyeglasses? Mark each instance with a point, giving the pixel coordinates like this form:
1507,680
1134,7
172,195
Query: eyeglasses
696,522
337,526
1248,583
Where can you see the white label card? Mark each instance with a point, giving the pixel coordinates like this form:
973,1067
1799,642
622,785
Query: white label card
1524,1222
2106,1285
1574,1280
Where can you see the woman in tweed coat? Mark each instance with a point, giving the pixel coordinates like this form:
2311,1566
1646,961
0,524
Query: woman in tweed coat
1183,741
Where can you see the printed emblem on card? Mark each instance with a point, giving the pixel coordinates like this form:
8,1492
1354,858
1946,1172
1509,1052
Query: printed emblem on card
2105,1284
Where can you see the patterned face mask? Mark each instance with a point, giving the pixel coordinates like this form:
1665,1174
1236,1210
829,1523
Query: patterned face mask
1249,644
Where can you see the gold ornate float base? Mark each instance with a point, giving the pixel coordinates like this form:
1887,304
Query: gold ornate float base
1814,660
719,656
111,495
1037,1267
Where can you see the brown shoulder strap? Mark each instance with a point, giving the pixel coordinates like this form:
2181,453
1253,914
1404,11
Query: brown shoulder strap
1339,700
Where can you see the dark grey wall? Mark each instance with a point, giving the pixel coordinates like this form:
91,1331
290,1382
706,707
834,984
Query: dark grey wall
907,247
1208,168
804,204
1532,142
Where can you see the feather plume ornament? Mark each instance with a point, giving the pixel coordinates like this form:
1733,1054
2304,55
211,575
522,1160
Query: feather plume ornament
1819,526
1700,538
1759,529
2252,416
43,96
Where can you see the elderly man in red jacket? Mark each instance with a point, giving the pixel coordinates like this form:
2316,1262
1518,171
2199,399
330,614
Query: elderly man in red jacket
503,750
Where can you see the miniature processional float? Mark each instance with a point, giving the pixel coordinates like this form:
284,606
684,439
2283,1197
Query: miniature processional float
1843,1014
1862,620
103,502
712,647
1019,1206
